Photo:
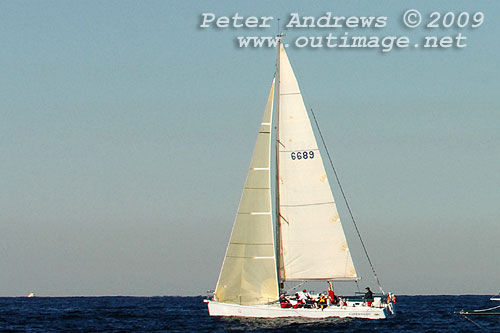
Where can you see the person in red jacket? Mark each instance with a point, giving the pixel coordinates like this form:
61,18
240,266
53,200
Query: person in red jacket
284,302
331,293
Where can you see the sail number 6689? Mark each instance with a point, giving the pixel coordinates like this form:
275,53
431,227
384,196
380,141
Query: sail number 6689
299,155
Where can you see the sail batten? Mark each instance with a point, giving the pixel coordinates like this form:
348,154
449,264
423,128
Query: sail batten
313,244
309,204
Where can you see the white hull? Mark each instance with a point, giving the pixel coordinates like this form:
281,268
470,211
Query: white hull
275,311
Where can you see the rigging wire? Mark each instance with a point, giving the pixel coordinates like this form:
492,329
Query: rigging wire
347,203
295,287
472,321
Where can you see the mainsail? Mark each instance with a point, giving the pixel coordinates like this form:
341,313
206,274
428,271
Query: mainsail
249,273
313,244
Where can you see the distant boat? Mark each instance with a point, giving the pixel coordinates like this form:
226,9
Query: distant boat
31,295
484,312
302,239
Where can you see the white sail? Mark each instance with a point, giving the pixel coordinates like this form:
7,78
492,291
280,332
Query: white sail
313,244
249,275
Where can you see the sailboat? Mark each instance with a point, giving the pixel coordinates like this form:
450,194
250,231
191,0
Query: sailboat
290,234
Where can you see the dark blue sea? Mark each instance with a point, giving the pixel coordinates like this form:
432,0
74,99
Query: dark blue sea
189,314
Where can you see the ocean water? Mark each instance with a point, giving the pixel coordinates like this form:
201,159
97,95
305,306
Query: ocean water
189,314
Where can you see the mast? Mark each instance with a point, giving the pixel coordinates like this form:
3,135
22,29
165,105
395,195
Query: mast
279,262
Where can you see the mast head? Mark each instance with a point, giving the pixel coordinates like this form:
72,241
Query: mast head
279,36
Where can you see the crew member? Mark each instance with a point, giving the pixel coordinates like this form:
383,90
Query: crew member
322,302
284,302
331,293
368,298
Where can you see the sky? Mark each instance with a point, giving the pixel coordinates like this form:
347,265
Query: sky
126,131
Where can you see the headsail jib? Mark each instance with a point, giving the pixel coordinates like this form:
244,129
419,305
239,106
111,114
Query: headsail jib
248,274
